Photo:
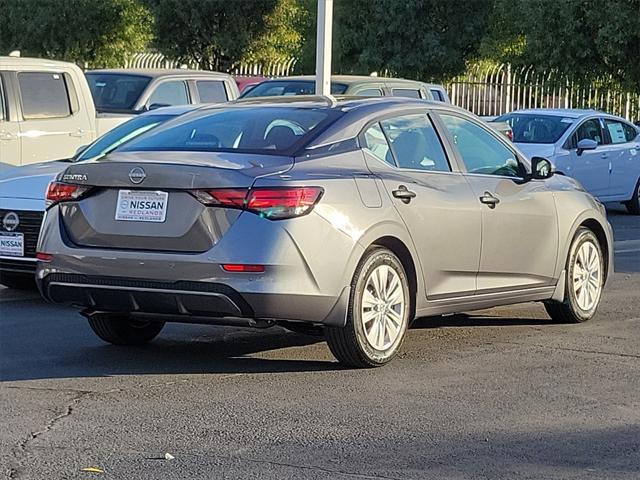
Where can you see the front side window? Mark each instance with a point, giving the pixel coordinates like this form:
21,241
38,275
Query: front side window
211,91
43,95
481,152
590,130
406,92
255,129
370,92
115,92
168,94
415,143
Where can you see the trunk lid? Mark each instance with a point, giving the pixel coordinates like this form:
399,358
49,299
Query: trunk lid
164,180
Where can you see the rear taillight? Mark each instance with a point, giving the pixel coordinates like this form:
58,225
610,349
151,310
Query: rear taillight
63,192
271,203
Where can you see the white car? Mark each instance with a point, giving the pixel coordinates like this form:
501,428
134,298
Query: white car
22,192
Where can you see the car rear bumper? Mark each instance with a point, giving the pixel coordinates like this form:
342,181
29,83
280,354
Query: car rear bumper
189,301
17,265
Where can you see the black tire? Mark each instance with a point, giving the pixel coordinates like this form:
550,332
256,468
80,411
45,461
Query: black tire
19,281
633,205
122,330
349,344
569,311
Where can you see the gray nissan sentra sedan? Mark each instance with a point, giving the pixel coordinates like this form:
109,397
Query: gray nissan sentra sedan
352,217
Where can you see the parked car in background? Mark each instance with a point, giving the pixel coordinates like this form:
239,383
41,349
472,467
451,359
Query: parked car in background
601,151
352,217
46,111
347,85
502,127
23,189
247,83
132,91
438,92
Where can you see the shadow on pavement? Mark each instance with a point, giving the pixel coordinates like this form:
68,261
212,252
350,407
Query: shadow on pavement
479,320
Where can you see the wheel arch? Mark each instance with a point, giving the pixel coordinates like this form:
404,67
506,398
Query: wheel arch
598,230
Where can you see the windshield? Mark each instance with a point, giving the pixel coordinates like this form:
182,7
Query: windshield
530,128
122,134
115,92
248,129
274,88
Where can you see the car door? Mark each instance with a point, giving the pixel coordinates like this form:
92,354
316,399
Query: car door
53,126
10,151
623,145
434,201
519,219
590,167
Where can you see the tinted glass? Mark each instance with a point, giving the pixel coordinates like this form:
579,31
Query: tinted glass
211,91
43,95
370,92
406,92
415,143
122,134
248,129
528,128
273,88
377,144
168,94
591,130
630,132
481,152
113,92
437,95
2,108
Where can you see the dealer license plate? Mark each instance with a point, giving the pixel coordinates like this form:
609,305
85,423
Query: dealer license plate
142,206
12,244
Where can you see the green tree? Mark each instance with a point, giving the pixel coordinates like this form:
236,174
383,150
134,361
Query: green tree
421,39
213,34
584,39
101,34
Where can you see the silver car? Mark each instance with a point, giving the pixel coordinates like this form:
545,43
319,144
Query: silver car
351,217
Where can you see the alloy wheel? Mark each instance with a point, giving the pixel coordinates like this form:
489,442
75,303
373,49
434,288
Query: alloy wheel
587,276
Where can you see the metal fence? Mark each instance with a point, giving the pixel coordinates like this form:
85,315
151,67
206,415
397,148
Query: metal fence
158,60
492,90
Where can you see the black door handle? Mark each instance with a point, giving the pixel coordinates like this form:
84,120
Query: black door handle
403,194
489,200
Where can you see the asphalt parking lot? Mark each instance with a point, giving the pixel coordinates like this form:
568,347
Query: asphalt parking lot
497,394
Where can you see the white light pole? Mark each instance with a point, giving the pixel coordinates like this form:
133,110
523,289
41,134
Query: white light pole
323,47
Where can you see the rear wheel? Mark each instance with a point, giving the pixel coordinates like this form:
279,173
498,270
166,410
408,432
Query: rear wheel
584,280
20,281
122,330
633,205
378,314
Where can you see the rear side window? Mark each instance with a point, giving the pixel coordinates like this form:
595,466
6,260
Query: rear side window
211,91
630,132
273,88
437,95
3,110
415,143
114,92
406,92
168,94
616,131
276,130
43,95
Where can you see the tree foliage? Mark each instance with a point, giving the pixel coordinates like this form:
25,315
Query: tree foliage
213,34
583,39
423,39
100,34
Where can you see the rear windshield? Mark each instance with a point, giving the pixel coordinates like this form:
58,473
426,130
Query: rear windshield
114,92
122,134
530,128
274,88
258,129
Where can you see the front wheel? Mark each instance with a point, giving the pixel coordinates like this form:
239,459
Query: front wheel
378,316
122,330
584,280
633,205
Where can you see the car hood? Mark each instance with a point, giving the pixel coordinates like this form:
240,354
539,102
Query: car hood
29,181
545,150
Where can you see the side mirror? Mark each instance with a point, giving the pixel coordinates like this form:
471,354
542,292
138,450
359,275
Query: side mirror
541,168
155,106
586,144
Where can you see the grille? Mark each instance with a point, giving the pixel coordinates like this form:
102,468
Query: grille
30,222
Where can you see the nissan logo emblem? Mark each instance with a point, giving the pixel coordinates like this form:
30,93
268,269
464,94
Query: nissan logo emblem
137,175
10,221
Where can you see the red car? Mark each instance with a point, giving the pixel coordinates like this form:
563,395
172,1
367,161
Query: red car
245,83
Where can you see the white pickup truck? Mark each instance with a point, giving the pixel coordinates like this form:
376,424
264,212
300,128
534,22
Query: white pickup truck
47,107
